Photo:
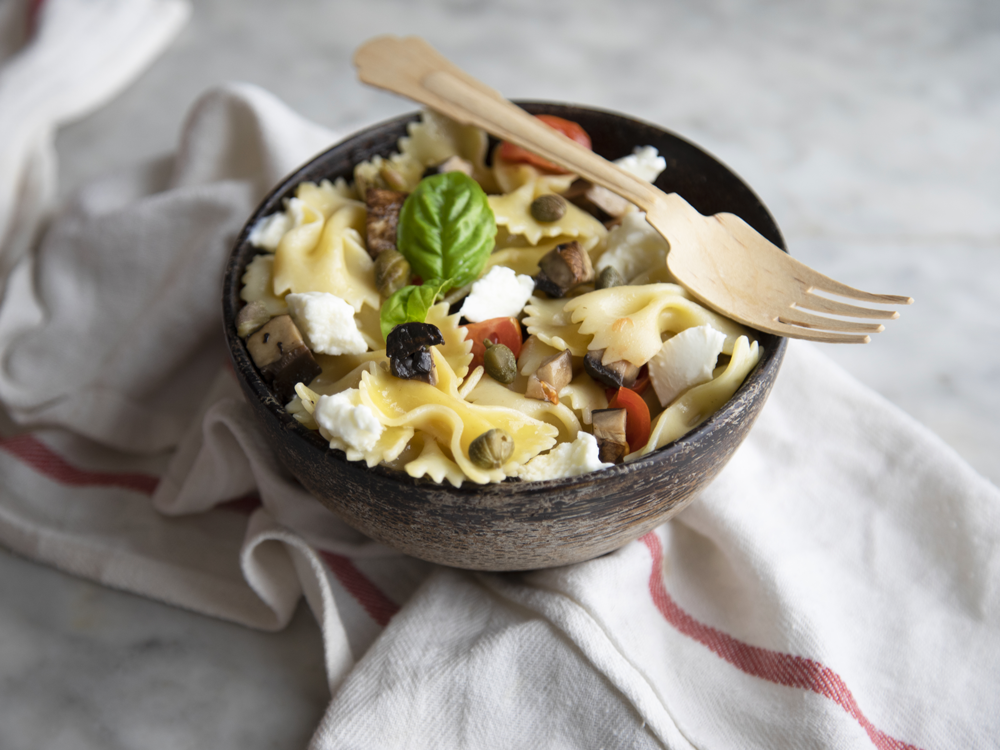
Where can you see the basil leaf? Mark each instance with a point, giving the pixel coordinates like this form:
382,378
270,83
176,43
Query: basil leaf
446,228
409,305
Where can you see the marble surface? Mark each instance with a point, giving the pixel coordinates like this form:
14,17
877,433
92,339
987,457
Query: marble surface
868,128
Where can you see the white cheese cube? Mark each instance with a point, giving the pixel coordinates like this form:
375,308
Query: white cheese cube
565,460
684,361
633,247
326,322
348,424
644,162
267,232
501,293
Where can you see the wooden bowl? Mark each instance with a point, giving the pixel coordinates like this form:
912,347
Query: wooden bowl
516,525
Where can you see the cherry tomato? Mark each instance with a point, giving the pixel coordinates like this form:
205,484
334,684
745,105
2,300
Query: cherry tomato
636,417
510,152
506,331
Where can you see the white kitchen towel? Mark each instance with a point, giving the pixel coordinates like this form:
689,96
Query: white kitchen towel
837,586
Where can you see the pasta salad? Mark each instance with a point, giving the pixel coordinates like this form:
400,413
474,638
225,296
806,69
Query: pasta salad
460,318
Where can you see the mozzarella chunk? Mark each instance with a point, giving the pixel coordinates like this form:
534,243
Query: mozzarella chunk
346,422
644,162
268,231
501,293
565,460
633,247
684,361
326,322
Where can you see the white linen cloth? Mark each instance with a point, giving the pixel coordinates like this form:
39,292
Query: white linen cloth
837,586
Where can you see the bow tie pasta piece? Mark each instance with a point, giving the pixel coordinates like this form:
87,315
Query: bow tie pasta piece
328,197
334,260
627,321
584,396
550,321
512,175
433,463
523,260
390,443
429,142
513,211
456,349
367,319
439,411
491,393
258,285
343,371
699,403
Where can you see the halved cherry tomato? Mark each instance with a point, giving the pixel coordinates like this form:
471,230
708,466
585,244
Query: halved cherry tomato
636,417
506,331
510,152
642,382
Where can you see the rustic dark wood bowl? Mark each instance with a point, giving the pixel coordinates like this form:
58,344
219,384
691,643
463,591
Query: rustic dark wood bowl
516,525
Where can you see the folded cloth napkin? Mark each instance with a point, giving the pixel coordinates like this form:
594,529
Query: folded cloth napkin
837,586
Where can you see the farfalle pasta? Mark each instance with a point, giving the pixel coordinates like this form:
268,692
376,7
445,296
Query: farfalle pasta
563,380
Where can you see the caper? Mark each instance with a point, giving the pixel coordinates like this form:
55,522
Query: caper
492,449
548,208
608,278
392,272
499,362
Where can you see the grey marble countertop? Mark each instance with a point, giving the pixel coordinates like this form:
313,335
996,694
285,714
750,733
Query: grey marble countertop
870,129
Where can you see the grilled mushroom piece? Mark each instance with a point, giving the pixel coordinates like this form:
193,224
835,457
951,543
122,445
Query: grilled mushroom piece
552,376
451,164
596,200
383,218
620,374
609,429
563,268
252,316
282,356
408,347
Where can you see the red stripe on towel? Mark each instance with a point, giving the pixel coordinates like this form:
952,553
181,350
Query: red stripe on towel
378,606
36,454
773,666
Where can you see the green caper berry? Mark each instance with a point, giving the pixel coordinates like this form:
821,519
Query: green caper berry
608,278
548,208
492,449
392,272
499,362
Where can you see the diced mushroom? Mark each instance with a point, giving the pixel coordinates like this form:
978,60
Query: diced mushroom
383,218
620,374
609,430
282,356
597,200
294,367
563,268
276,338
541,391
408,347
252,316
451,164
552,376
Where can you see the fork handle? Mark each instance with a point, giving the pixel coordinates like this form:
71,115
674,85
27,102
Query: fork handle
414,69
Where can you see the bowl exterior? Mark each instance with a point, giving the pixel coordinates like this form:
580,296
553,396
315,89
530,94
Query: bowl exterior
515,525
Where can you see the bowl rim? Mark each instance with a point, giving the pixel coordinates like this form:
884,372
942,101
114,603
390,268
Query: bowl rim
511,488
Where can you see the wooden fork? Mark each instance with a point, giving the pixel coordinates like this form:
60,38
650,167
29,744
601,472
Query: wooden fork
720,260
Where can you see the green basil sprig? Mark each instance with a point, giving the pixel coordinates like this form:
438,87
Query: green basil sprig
446,228
410,305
